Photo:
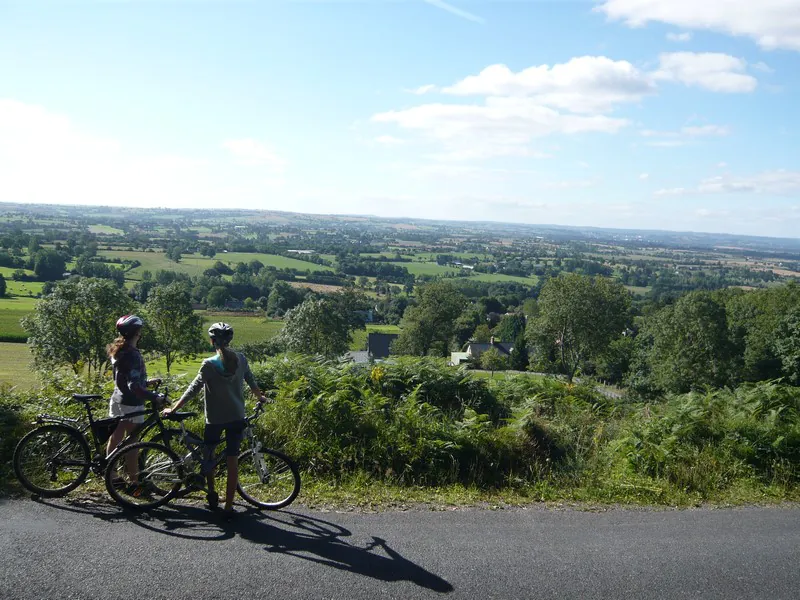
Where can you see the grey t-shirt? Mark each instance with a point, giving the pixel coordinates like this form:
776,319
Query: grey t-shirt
223,392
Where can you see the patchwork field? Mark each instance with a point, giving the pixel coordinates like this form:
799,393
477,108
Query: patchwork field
195,264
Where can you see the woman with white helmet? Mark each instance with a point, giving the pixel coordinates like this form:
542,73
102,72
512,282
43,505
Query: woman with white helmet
222,379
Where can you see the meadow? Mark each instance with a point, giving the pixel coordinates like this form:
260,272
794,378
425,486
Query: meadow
195,264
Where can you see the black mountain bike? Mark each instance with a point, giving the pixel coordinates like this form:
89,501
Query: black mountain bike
55,458
267,478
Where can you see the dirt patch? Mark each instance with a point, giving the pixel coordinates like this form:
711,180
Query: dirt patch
322,288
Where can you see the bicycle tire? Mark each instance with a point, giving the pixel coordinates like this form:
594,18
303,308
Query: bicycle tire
280,458
74,436
119,455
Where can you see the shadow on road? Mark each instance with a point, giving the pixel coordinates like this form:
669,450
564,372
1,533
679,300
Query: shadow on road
285,532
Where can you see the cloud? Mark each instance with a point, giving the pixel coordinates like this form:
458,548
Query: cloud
498,127
779,183
644,176
251,153
710,70
679,37
46,157
691,131
568,98
423,89
587,84
456,11
389,140
771,23
569,184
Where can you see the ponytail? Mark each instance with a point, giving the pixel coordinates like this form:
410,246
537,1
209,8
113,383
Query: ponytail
230,361
114,347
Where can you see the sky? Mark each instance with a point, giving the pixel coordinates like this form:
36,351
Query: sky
680,115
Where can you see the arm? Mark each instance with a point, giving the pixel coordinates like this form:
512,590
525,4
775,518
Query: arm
192,391
127,379
251,381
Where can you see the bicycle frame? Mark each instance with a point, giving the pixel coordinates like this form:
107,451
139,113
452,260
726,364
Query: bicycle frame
100,459
197,446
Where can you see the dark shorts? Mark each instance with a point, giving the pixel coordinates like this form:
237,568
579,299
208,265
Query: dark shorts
233,435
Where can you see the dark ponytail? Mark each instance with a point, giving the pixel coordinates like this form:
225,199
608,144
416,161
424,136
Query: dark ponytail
230,361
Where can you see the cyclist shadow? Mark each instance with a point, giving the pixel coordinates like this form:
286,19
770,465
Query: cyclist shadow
286,532
323,547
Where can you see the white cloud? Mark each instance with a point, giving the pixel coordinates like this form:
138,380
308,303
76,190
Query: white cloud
710,70
691,131
588,84
456,11
498,127
771,23
389,140
252,153
569,184
46,157
423,89
706,130
644,176
780,182
679,37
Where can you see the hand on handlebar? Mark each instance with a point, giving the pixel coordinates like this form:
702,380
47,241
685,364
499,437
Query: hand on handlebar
155,382
265,400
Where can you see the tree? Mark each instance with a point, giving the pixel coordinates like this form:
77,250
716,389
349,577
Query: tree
217,296
2,286
519,355
315,327
787,344
689,345
482,334
72,325
48,265
510,327
428,327
175,329
578,317
492,360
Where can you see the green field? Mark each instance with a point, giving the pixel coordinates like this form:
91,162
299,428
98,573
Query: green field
195,264
105,230
15,366
247,329
426,268
11,311
495,277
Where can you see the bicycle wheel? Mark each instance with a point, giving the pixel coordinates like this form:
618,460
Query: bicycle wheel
268,480
52,460
158,480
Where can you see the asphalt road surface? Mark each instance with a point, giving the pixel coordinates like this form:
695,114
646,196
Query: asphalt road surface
62,549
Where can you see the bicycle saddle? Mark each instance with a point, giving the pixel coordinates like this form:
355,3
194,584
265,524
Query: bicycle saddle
85,397
181,416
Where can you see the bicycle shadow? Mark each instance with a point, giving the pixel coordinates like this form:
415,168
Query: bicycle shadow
286,532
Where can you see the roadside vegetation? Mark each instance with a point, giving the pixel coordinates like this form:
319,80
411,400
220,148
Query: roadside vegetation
604,371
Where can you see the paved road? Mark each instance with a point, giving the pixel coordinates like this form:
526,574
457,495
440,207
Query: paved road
67,550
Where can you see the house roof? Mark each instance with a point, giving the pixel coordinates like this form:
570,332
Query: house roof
479,348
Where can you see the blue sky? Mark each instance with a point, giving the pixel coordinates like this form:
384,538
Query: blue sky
679,115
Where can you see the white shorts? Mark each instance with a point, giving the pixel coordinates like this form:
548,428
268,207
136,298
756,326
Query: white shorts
115,409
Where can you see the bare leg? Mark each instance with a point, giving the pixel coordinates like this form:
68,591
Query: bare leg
131,458
233,477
